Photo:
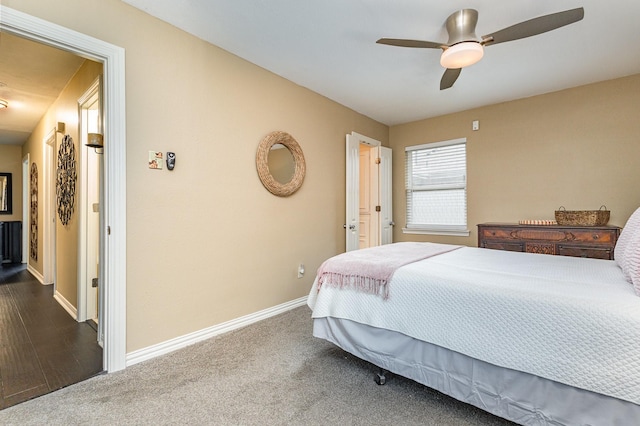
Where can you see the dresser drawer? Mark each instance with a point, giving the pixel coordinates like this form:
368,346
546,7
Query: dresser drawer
526,234
595,236
583,251
541,248
507,246
495,234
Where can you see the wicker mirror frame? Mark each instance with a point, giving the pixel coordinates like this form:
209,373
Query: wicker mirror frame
262,164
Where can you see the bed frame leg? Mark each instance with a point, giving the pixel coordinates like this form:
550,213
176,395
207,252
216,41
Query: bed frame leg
380,377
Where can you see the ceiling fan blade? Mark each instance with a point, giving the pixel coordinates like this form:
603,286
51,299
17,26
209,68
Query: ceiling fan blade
449,77
535,26
410,43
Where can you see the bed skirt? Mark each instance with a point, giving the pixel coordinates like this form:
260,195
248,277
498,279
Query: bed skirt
520,397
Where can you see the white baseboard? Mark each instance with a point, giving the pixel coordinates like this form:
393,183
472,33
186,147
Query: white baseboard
153,351
37,275
66,305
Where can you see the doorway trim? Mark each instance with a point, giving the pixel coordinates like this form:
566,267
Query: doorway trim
114,245
26,208
49,217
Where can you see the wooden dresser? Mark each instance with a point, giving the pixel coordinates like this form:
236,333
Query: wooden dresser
578,241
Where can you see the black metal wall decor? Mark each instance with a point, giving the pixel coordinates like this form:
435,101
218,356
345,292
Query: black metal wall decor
66,179
33,229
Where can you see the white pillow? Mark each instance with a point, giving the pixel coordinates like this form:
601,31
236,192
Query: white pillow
632,262
630,230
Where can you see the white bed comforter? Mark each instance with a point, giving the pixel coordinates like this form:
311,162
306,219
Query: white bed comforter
572,320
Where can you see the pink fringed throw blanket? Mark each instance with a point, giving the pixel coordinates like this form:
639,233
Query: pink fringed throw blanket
370,270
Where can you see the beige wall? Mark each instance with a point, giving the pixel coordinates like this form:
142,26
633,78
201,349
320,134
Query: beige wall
577,148
206,243
64,109
11,162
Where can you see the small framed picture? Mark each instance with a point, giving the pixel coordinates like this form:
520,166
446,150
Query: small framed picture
155,160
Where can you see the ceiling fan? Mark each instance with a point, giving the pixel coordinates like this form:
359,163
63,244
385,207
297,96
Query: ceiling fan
464,48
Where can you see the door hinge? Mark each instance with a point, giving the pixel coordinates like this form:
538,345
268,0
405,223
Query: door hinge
378,160
94,282
377,208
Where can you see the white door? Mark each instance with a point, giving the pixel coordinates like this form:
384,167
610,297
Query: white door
386,206
90,110
352,222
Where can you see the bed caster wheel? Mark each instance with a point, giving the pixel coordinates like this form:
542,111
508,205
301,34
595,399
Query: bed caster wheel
380,378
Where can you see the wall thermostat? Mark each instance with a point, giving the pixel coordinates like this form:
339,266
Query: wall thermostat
171,160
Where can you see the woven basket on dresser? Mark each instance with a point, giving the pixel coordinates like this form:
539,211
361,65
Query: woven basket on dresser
582,217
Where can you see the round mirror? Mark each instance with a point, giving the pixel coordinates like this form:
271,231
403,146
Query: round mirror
280,163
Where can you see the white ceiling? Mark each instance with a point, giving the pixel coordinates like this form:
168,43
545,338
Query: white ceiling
329,47
32,76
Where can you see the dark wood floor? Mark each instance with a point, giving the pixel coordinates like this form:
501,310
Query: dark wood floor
41,347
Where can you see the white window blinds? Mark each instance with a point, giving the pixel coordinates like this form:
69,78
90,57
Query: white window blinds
436,186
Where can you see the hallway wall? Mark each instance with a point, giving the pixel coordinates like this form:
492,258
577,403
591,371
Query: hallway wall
11,162
64,109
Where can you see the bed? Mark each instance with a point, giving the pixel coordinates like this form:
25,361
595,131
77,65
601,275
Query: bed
533,338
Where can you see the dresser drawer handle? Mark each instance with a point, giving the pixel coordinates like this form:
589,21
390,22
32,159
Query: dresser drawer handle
596,236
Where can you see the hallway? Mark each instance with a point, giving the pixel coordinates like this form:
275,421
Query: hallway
42,348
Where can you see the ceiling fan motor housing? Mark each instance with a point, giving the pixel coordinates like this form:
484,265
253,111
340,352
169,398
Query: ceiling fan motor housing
461,26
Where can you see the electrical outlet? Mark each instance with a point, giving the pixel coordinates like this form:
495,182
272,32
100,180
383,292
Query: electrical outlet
301,270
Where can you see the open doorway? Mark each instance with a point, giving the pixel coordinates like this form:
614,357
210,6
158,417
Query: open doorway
369,197
46,344
113,246
368,193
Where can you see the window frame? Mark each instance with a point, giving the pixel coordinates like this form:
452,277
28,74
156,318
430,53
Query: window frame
434,229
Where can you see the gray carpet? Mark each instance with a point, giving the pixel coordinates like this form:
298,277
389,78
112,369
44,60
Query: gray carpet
270,373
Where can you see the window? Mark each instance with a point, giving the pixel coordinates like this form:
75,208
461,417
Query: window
436,185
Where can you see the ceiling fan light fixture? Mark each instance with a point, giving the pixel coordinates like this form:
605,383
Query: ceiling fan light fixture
462,55
4,104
